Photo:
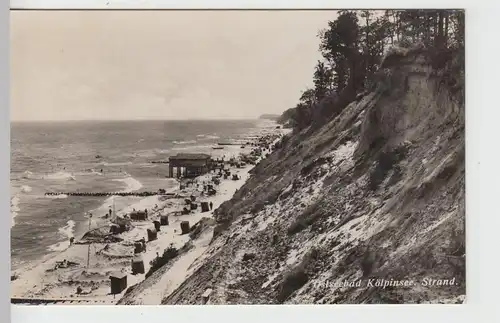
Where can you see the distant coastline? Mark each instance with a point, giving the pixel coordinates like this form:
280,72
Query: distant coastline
272,117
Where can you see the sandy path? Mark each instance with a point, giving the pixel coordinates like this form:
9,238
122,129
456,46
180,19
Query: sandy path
153,293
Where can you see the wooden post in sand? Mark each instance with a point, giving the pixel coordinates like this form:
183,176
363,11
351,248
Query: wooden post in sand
88,252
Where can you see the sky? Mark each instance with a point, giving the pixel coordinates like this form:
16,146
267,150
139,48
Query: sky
128,65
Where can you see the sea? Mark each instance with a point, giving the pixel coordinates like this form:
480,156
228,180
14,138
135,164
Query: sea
95,156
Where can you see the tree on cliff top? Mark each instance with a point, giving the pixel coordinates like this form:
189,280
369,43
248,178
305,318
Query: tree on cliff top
352,47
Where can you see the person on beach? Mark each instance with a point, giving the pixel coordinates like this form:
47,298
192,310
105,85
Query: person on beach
211,205
71,240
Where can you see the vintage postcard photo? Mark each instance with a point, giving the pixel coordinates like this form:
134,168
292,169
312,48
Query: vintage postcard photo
237,157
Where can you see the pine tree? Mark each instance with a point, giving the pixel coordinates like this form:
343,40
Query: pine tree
352,47
322,81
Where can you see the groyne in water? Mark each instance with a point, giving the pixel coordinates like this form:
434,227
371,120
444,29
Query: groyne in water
55,301
147,193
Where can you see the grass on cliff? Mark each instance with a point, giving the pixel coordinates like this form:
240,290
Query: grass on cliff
168,254
298,276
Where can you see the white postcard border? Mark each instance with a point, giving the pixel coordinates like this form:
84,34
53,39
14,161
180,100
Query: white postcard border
482,111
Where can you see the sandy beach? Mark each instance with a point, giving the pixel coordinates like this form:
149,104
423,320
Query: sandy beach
80,273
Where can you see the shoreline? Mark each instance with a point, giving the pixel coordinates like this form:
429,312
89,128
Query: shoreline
78,228
45,281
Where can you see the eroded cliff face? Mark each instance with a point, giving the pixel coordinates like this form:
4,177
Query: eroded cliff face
377,193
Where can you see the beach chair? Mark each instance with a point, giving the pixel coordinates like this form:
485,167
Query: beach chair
164,220
157,225
137,265
205,207
152,234
185,227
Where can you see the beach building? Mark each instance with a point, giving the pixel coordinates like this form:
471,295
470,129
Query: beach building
118,283
189,165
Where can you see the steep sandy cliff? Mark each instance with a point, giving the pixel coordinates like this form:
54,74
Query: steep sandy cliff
374,196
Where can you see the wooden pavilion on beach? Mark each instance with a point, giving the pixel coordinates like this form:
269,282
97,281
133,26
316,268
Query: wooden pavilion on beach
189,165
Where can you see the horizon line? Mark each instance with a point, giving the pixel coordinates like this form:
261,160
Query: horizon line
155,119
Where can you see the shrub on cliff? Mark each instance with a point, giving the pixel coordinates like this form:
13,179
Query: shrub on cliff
299,275
168,254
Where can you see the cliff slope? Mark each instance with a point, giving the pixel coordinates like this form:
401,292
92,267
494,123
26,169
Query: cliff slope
376,193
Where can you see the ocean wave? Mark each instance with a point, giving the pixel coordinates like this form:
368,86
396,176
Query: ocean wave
193,148
132,184
162,151
68,229
26,189
117,164
60,175
14,208
208,137
147,165
59,196
94,172
60,246
27,174
67,232
184,142
54,176
146,154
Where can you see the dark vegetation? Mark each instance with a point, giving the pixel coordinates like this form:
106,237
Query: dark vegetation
168,254
386,162
299,275
353,48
